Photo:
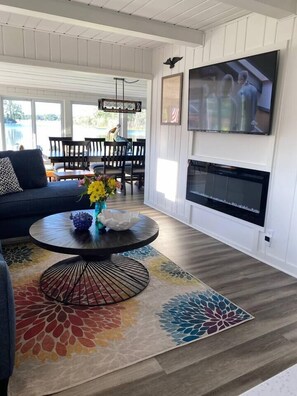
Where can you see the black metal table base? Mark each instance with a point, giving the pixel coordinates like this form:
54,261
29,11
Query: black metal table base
89,282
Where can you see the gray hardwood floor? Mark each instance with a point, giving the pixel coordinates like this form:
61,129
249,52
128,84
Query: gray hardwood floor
228,363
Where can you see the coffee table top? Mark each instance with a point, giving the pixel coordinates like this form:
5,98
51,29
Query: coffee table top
57,233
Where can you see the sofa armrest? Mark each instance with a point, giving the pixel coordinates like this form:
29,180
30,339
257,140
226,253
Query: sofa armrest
7,323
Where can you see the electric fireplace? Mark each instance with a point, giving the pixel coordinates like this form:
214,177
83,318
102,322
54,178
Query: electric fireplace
238,192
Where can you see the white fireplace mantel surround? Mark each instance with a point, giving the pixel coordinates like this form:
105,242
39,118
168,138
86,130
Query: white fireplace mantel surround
172,146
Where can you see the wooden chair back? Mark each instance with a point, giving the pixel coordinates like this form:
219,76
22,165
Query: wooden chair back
114,155
138,152
56,143
96,145
135,168
114,161
76,155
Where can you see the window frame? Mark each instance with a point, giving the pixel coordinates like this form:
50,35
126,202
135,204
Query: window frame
33,115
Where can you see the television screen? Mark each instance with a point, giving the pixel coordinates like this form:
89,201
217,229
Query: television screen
235,96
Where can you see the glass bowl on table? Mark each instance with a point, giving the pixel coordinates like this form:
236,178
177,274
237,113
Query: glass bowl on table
118,220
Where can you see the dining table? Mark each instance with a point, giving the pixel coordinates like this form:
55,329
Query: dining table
93,157
58,156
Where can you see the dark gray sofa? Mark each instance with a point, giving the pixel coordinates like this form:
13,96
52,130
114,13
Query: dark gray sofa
18,211
7,326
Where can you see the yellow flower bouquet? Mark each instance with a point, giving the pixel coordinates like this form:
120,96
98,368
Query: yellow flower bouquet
99,188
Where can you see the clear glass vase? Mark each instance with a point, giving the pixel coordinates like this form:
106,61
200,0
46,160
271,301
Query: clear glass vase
99,206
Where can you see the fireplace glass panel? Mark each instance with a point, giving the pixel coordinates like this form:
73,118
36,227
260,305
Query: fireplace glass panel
236,191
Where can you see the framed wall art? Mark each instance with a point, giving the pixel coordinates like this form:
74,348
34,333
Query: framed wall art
171,99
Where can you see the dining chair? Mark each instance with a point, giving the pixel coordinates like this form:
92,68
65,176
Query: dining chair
75,160
56,148
96,145
56,143
96,150
114,161
135,168
140,140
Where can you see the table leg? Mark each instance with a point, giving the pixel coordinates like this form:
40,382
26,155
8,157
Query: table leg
93,282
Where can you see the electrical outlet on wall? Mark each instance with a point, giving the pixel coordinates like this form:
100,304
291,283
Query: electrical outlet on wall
268,237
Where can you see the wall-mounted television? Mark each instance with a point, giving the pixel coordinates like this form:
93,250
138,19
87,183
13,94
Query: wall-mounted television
234,96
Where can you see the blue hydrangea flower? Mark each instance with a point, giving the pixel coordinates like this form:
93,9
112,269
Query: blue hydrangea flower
175,271
190,316
141,253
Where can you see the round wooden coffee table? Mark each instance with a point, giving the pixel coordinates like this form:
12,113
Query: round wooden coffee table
97,275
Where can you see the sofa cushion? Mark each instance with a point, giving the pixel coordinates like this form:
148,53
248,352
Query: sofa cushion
54,198
28,166
8,182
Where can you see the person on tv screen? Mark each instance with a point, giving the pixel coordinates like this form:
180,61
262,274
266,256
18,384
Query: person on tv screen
228,107
211,120
246,104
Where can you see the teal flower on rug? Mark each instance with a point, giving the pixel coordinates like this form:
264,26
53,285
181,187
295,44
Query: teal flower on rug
141,253
175,271
17,254
193,315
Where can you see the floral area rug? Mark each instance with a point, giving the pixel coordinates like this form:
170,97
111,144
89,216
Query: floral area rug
59,346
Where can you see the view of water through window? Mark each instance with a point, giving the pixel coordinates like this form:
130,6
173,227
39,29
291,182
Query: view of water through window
88,121
48,123
21,123
18,124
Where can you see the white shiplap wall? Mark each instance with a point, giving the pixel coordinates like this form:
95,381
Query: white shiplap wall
275,153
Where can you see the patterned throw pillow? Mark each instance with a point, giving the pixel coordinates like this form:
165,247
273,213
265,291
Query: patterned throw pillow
8,180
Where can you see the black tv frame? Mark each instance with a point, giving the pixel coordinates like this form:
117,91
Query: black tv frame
219,68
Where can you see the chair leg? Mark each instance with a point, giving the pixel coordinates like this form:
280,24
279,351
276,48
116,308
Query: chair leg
140,181
131,181
123,183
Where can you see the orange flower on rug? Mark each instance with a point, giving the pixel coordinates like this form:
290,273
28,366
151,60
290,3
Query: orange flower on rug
48,330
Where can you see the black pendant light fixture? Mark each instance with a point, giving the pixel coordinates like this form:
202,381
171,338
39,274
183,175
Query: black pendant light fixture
119,104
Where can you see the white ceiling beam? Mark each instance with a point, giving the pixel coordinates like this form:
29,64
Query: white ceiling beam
273,8
80,14
73,68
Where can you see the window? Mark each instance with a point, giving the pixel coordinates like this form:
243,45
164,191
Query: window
88,121
30,122
27,130
48,123
136,126
18,124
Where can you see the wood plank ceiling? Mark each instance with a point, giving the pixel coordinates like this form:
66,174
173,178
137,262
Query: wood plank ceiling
193,14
